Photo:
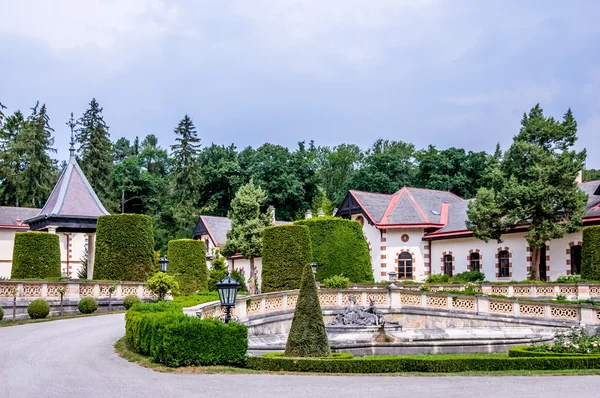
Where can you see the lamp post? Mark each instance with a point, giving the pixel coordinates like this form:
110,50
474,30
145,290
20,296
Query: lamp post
163,263
227,288
314,267
393,276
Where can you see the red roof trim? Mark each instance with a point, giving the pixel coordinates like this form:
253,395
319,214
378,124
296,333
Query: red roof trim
12,226
395,199
444,215
363,207
422,225
209,232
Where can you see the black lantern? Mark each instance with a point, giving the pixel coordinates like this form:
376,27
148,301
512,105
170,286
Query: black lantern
163,263
227,288
314,267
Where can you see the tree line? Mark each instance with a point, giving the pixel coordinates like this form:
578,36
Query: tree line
177,183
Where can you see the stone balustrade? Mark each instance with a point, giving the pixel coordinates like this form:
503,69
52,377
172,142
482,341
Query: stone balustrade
248,308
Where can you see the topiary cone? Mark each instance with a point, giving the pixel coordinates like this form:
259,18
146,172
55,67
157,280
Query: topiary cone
307,336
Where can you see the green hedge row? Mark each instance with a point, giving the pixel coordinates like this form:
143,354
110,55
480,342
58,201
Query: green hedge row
527,351
460,363
590,253
124,247
286,250
339,248
35,255
163,332
187,264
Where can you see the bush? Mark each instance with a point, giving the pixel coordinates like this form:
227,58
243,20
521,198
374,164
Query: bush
124,247
161,284
187,263
339,247
468,277
217,272
36,255
238,276
87,305
457,363
529,351
572,341
337,282
286,250
130,300
1,313
437,278
169,337
569,279
590,253
38,309
307,337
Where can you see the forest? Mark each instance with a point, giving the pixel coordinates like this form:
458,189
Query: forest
175,184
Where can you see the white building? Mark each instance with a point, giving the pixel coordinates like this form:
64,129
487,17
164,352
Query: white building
416,232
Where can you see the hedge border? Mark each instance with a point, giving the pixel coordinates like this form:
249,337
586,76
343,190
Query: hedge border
527,352
460,363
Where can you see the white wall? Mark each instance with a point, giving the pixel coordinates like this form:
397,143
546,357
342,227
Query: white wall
243,265
373,237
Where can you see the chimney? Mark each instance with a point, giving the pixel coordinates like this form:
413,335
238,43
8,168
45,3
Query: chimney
308,214
579,178
321,213
19,221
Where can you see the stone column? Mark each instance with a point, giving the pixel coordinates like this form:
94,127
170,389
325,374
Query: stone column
91,252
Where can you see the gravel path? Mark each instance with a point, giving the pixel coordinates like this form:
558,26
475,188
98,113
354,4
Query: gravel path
75,358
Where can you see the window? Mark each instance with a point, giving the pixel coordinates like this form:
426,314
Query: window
448,265
576,259
503,264
475,264
405,266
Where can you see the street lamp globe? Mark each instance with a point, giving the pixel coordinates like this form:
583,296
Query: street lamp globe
314,267
227,289
163,263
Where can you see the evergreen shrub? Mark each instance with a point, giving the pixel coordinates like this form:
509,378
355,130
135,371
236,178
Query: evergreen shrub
217,272
130,300
187,264
590,253
286,251
38,309
529,351
87,305
36,255
163,332
1,313
124,247
339,248
307,337
161,284
337,282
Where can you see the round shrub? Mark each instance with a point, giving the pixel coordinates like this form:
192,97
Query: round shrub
35,255
38,309
130,300
337,282
187,264
339,248
1,313
124,247
87,305
285,252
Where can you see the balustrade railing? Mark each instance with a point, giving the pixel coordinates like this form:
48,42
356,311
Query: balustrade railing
73,289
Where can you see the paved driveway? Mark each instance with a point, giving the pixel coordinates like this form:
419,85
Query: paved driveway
75,358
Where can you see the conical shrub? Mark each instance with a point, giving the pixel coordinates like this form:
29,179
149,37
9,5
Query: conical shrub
307,336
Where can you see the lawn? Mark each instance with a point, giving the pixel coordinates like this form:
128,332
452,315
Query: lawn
196,298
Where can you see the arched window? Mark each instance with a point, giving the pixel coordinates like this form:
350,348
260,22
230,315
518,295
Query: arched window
475,262
576,259
448,265
503,264
405,266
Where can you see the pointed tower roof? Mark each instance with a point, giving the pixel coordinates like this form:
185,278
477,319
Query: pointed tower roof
73,204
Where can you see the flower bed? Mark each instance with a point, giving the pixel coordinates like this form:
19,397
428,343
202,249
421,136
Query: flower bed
572,341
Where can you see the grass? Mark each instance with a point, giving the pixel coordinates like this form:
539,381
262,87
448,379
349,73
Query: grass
196,298
9,322
123,349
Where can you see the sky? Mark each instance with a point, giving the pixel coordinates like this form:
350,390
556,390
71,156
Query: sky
431,72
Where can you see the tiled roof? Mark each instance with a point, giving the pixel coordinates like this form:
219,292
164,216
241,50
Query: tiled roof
10,215
592,188
73,195
217,227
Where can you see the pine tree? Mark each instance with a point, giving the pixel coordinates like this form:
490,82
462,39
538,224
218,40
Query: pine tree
186,177
95,150
38,174
307,337
11,159
247,225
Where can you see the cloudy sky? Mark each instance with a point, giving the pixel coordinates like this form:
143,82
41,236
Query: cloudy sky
441,72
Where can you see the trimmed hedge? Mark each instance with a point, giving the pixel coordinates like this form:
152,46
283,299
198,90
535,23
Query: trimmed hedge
87,305
590,253
460,363
528,352
187,264
163,332
130,300
124,247
36,255
339,248
1,313
286,250
38,309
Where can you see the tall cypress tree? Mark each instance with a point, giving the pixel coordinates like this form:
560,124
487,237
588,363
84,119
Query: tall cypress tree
38,173
186,176
95,150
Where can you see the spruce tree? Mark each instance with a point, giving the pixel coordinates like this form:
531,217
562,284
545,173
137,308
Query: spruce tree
95,150
11,159
247,226
307,337
186,177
